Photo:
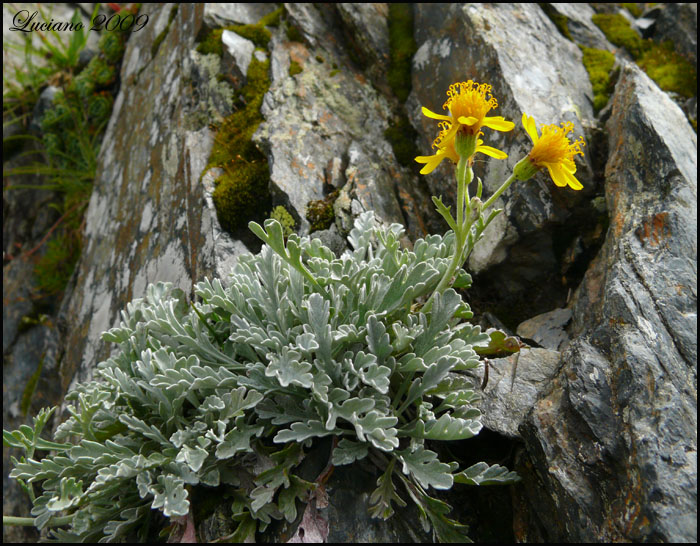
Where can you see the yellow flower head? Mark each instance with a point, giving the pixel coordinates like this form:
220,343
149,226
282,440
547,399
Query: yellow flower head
554,150
468,104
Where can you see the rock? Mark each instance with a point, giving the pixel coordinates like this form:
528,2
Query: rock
514,384
157,228
547,329
324,116
368,35
238,53
614,441
218,15
579,23
678,22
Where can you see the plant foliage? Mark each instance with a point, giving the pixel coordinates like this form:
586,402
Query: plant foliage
231,390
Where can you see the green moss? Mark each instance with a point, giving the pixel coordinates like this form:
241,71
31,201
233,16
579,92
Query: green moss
256,33
294,68
242,192
281,214
617,29
320,213
669,70
402,137
158,39
634,9
559,20
293,33
599,63
333,72
402,48
211,43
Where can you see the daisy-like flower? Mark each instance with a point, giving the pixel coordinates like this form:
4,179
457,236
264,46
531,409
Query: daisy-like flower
468,104
553,150
446,148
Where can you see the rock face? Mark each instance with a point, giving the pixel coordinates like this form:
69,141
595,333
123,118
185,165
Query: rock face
615,439
603,416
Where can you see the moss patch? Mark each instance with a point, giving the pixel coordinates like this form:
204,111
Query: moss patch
617,29
402,48
294,68
599,63
256,33
666,67
282,215
242,192
559,20
320,213
669,70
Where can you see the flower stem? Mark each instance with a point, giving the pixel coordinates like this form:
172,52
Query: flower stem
499,191
464,178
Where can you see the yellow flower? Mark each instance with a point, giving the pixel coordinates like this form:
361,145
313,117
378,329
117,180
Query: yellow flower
468,104
446,149
552,149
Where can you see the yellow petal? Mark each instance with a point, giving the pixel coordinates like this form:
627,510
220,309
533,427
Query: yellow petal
530,127
433,115
431,161
562,177
573,182
498,123
490,151
557,174
468,120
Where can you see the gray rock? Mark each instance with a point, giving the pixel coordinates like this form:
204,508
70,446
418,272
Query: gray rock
514,384
158,229
217,15
547,329
323,117
367,30
580,24
615,439
678,22
238,52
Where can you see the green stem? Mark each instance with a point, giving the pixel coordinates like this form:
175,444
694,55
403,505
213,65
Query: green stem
464,178
499,191
29,522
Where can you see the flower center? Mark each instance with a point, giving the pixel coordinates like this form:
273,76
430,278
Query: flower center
554,146
469,99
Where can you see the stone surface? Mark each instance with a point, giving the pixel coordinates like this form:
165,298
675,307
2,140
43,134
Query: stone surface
218,15
147,185
580,24
547,329
678,22
513,386
323,117
615,439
